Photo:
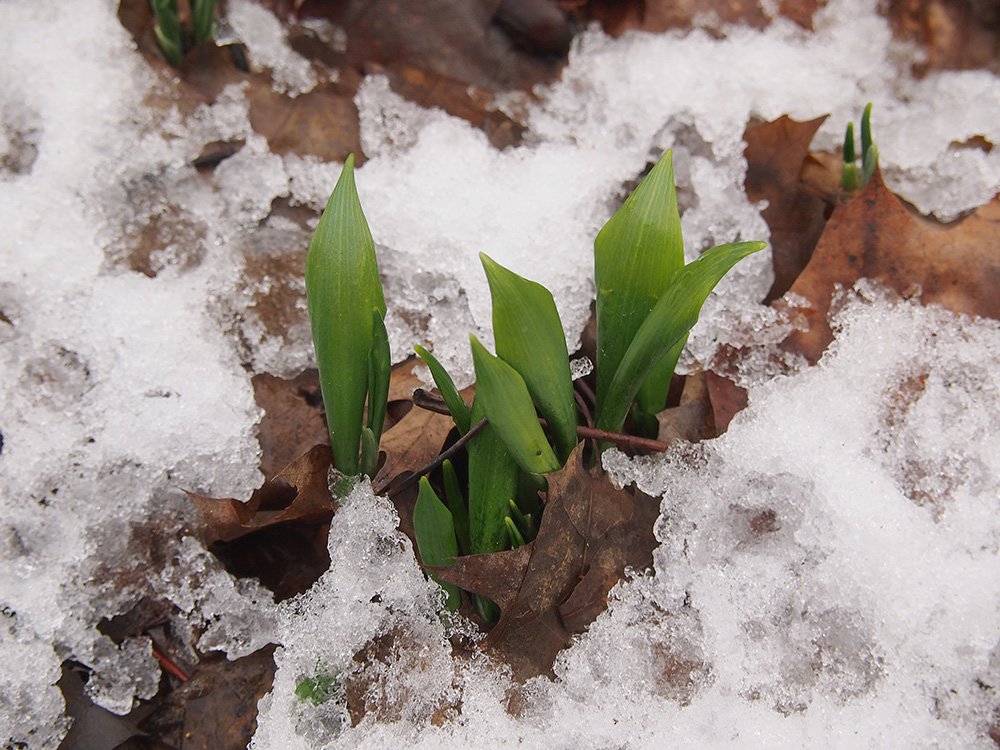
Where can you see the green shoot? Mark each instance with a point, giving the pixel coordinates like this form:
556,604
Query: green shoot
168,30
316,690
202,20
529,337
493,480
507,405
636,255
452,399
849,172
344,295
850,178
434,528
456,504
170,33
516,540
674,315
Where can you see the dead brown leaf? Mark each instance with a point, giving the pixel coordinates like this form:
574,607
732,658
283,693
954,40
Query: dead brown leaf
726,398
876,236
555,587
663,15
299,492
411,444
957,34
691,419
293,418
775,154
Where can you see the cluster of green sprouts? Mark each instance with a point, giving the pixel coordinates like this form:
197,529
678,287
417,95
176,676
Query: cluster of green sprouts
647,302
174,39
850,178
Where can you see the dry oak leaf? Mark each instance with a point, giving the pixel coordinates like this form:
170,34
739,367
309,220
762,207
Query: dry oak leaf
775,155
556,585
876,236
299,492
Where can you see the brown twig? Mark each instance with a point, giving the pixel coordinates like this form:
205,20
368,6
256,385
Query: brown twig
442,457
168,665
428,401
584,409
581,385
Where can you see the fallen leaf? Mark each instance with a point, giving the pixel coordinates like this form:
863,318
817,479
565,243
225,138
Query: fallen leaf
691,419
411,444
456,39
299,492
956,34
93,728
775,155
293,418
876,236
556,585
726,398
217,707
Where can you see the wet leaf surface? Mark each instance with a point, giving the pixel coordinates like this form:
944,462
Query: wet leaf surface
957,34
878,237
555,586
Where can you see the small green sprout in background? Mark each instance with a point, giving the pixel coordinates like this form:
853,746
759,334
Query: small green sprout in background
318,689
647,302
850,178
170,33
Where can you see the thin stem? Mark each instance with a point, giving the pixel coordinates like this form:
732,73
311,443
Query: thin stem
425,400
427,469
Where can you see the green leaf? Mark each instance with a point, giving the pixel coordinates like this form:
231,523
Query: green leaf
379,371
493,478
849,172
516,540
456,504
529,337
435,533
343,290
866,131
674,315
507,405
870,163
202,19
458,408
636,255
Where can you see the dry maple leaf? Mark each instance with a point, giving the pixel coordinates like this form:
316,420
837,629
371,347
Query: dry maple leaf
556,585
876,236
775,155
299,492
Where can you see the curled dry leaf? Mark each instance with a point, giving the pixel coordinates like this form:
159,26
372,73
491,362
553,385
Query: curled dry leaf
555,586
775,153
876,236
299,492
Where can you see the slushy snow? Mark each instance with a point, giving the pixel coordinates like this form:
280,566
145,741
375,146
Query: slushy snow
864,611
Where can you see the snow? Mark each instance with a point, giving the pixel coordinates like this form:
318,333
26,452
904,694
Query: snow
868,617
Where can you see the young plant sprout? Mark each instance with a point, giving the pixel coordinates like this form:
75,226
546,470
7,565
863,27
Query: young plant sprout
346,311
850,178
647,302
170,33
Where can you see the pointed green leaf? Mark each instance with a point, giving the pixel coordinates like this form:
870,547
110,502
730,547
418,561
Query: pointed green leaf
849,172
493,478
866,131
343,289
635,255
369,452
435,533
516,540
529,337
674,315
507,405
458,408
